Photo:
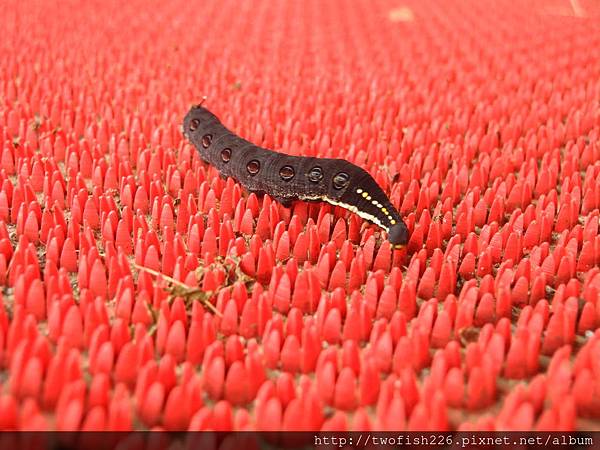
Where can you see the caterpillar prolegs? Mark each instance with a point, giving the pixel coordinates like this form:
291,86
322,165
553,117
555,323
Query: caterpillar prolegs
287,178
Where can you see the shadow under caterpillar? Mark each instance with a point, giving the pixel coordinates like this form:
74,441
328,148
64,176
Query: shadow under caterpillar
287,178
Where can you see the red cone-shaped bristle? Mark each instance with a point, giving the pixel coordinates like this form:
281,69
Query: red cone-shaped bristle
31,378
68,256
442,330
332,327
281,300
201,421
271,417
326,378
338,277
151,408
338,422
95,420
175,343
72,328
104,358
214,378
236,387
99,391
345,390
427,284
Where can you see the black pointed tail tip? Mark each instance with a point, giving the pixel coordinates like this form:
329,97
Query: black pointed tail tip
398,235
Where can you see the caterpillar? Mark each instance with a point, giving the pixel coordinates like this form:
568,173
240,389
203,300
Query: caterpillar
287,178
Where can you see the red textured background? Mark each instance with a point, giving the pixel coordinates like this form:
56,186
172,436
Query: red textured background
481,119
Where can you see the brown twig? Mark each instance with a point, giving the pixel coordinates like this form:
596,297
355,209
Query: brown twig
187,291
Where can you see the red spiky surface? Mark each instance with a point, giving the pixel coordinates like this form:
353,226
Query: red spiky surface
480,119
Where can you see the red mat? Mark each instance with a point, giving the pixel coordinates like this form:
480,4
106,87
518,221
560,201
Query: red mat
480,119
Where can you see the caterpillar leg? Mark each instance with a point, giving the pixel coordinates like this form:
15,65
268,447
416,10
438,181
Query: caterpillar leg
286,202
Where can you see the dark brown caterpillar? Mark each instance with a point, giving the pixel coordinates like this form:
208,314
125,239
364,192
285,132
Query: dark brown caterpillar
286,178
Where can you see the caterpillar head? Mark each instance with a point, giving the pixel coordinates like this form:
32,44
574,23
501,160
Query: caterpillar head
398,235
